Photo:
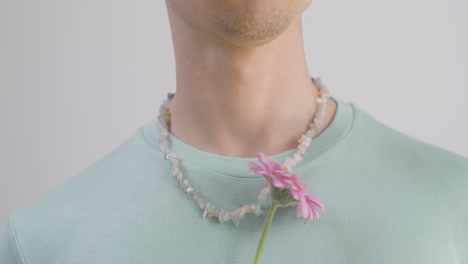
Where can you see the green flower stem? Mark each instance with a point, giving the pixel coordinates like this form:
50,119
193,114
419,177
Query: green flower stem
266,229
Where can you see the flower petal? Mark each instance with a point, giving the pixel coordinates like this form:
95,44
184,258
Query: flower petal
264,159
278,183
304,209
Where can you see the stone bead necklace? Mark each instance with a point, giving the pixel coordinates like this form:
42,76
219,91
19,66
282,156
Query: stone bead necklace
209,209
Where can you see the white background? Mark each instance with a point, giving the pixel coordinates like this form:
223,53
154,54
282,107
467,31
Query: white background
77,78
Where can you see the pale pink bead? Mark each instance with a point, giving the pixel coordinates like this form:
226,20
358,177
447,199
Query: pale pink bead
237,211
170,156
304,143
181,180
176,173
310,133
209,210
242,212
301,149
318,118
164,149
163,144
290,161
235,219
185,183
256,208
297,157
227,216
265,190
319,122
189,189
179,177
201,204
305,140
175,163
247,208
319,115
313,127
261,198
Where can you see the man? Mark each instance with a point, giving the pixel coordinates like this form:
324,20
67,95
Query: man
243,86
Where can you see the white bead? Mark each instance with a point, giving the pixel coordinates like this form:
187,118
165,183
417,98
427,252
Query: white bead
176,173
216,213
209,210
242,212
188,189
201,204
180,182
318,120
185,183
212,211
222,213
256,209
227,216
179,177
235,219
207,207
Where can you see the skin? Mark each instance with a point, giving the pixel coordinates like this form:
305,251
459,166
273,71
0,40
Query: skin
243,83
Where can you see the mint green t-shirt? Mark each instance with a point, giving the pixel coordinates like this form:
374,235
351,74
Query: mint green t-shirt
389,198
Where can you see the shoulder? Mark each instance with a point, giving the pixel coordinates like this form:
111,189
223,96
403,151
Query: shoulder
433,166
392,141
90,197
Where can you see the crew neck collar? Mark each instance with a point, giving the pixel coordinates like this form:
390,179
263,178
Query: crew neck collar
189,156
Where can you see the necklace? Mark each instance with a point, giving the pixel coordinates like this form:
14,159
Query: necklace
209,209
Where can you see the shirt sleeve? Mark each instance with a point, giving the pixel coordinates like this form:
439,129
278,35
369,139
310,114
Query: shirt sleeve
10,250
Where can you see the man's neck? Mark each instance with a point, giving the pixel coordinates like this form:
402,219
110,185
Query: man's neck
236,101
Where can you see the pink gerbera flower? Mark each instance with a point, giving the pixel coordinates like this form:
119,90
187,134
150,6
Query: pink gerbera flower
287,190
